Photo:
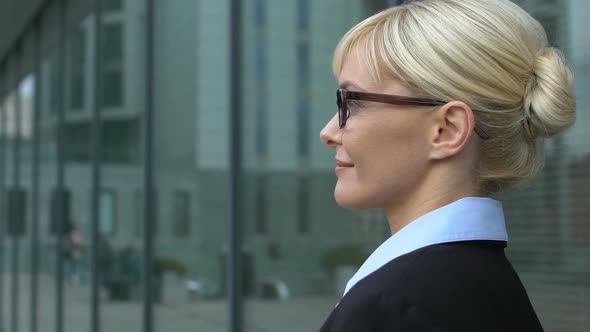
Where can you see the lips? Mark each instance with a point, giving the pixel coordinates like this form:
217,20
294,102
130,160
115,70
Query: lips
341,163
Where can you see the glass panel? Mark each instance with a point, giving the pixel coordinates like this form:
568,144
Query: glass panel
49,89
16,132
18,116
14,276
76,133
4,271
549,242
26,102
121,205
290,220
191,55
296,235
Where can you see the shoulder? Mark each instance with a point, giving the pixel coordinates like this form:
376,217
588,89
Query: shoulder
456,285
441,263
442,266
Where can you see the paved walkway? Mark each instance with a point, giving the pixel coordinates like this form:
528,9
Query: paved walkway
176,313
561,308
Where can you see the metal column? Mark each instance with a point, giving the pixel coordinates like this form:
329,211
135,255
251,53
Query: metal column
96,175
148,250
15,185
35,178
3,214
61,222
235,166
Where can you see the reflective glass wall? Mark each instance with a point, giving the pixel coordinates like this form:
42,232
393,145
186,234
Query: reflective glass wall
191,106
549,236
294,232
116,173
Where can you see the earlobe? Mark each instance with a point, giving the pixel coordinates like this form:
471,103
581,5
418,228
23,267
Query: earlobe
454,122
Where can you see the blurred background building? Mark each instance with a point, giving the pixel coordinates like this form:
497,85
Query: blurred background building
159,75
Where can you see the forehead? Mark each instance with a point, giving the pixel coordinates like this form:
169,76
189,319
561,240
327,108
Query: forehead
355,71
356,75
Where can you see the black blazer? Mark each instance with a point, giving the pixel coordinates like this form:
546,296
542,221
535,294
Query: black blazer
451,287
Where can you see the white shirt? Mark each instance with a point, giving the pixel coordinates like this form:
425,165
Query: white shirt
469,218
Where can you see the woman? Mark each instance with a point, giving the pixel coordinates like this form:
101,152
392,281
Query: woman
442,103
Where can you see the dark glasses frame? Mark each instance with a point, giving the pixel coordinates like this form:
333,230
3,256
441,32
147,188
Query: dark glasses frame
343,95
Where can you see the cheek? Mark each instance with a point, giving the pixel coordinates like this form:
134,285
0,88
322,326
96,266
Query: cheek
391,153
388,163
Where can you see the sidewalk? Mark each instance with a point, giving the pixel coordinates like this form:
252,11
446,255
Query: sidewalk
175,314
561,308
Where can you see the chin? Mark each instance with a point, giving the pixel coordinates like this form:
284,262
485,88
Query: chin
354,201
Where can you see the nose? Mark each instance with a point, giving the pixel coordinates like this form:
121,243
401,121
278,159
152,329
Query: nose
330,135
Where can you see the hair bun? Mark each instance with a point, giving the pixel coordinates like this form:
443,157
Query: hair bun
549,102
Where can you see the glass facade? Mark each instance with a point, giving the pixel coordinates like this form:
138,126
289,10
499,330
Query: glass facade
116,173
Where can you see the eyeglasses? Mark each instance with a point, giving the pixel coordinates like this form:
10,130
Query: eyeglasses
343,96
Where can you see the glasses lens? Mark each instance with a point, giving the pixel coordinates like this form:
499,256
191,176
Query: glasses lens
342,116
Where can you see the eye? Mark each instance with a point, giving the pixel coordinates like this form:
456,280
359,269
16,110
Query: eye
354,104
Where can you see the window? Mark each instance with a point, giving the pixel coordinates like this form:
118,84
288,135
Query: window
373,6
550,22
181,213
303,71
112,86
50,91
261,61
303,205
77,142
76,62
140,213
121,141
112,5
261,211
108,212
112,64
53,83
113,41
303,14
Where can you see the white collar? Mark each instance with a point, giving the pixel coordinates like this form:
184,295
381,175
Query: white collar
469,218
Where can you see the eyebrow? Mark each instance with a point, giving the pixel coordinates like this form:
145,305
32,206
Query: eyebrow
349,84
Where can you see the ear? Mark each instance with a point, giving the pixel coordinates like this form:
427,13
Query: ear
453,125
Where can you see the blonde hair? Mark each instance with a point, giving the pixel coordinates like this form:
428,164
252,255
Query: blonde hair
489,54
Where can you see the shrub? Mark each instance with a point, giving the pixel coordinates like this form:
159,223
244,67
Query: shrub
346,254
167,264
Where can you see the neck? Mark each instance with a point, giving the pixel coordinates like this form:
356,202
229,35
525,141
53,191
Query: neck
438,189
